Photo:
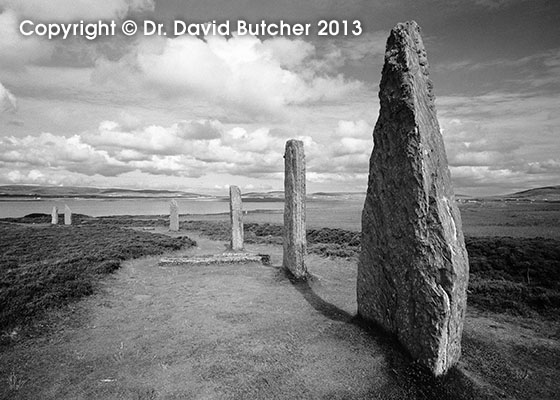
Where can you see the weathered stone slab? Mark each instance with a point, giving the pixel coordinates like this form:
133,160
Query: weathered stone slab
67,215
236,218
413,268
295,242
226,258
54,215
173,216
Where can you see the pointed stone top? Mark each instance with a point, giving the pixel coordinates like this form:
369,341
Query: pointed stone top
410,27
406,35
405,80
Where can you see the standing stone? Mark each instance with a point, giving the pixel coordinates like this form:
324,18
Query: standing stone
67,215
295,243
413,268
173,216
236,217
54,215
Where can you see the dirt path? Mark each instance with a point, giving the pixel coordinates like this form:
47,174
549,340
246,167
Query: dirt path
223,331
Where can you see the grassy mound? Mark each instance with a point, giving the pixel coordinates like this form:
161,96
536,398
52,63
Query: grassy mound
516,275
46,266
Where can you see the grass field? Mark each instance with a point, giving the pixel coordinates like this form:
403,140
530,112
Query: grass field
516,275
47,266
158,326
520,276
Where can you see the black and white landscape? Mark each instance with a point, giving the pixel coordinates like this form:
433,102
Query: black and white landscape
129,270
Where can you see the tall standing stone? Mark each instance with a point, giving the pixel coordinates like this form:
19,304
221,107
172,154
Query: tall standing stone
54,215
173,216
295,243
413,267
236,217
67,215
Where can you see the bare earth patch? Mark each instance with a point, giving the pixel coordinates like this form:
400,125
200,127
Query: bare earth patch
247,332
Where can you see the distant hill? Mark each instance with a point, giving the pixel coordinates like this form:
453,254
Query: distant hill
274,194
36,191
278,195
548,193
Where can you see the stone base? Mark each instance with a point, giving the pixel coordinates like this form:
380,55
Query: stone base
226,258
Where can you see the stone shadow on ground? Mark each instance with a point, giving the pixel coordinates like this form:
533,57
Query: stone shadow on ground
329,310
414,380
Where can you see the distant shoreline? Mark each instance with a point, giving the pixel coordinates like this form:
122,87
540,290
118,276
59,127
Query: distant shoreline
220,199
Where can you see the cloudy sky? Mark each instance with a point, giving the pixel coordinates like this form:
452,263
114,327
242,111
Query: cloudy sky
201,113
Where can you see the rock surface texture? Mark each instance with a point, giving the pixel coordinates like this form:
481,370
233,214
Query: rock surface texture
295,242
228,258
236,218
413,268
173,216
67,215
54,215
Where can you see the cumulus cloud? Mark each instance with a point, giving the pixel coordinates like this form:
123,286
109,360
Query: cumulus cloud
206,143
7,100
47,153
32,176
492,143
154,139
246,72
17,50
481,176
187,148
352,146
366,48
507,138
207,148
75,10
191,149
290,53
478,158
344,156
44,177
354,129
349,149
348,180
548,166
50,151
